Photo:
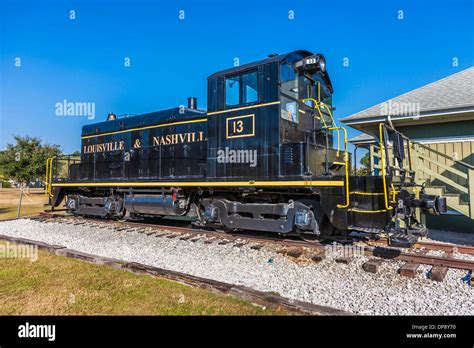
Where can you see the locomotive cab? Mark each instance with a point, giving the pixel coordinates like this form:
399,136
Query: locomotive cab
301,86
306,116
279,109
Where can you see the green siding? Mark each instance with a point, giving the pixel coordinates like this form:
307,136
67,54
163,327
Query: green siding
445,129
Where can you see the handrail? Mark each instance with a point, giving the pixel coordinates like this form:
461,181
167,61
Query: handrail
54,164
464,164
382,155
444,173
333,123
316,103
445,167
467,165
334,127
346,161
444,179
49,177
337,129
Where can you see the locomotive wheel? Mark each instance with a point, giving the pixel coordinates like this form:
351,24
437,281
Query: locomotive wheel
228,230
309,237
124,216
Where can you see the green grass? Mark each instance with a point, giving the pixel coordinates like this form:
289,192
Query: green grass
8,211
55,285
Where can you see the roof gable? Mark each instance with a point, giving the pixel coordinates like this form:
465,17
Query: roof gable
452,92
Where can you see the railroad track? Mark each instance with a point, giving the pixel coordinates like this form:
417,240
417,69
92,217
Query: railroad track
250,237
448,248
295,247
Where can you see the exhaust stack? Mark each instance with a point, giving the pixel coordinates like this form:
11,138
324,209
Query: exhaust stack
192,103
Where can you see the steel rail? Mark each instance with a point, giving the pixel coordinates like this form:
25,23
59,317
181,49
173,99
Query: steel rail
376,251
463,249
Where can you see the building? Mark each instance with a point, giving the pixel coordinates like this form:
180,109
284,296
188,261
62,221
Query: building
439,117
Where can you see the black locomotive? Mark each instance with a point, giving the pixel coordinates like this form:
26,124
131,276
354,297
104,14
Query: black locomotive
267,155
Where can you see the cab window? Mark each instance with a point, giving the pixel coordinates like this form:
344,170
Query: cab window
289,80
232,90
241,89
249,82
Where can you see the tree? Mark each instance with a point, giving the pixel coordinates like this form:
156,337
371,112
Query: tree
365,165
25,160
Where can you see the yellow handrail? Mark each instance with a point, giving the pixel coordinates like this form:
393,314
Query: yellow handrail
394,193
382,156
46,178
346,164
316,103
333,123
337,129
49,177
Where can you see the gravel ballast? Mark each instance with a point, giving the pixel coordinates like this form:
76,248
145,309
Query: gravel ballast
327,283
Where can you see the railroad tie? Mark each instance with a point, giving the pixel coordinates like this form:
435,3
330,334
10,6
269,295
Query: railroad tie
344,260
317,257
186,237
160,234
372,266
438,273
292,252
409,269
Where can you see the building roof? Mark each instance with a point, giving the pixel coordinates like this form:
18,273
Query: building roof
362,139
452,93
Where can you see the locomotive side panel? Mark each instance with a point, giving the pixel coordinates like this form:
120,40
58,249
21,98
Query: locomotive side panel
168,150
243,144
176,151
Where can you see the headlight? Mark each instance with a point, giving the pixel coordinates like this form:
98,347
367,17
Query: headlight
322,64
312,64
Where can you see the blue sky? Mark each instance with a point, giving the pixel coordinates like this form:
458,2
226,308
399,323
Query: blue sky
82,60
